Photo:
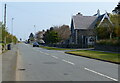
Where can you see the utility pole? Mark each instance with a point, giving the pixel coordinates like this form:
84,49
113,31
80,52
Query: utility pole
5,24
5,16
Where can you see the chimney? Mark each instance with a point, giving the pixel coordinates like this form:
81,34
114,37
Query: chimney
79,14
98,12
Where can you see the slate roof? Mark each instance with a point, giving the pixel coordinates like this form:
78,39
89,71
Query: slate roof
83,22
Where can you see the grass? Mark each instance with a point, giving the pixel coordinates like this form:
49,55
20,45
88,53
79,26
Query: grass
111,57
53,48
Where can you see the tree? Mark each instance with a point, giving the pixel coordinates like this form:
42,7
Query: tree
102,32
63,32
51,37
57,34
5,34
117,9
39,36
115,19
31,37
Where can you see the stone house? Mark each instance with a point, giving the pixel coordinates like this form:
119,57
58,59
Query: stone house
82,28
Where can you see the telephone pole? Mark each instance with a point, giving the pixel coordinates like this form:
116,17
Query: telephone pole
5,24
5,16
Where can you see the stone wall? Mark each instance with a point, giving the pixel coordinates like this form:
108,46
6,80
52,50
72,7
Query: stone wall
0,49
107,48
67,45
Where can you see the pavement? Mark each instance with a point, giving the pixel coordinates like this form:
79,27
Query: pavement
0,63
38,64
0,68
9,59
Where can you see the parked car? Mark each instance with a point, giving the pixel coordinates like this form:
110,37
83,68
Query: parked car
35,44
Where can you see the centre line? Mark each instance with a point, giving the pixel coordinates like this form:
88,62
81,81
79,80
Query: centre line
100,74
55,57
68,62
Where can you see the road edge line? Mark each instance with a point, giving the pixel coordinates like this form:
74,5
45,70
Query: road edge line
101,74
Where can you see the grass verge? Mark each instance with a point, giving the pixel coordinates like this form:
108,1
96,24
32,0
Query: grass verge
104,56
53,48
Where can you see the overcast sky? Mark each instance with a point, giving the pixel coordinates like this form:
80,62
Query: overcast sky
47,14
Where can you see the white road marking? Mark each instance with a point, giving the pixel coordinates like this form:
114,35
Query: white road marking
60,51
100,74
68,62
44,53
47,50
55,57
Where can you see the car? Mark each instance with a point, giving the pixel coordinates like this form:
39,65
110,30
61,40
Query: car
35,44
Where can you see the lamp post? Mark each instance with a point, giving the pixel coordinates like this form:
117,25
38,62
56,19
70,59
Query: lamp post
12,29
5,24
35,32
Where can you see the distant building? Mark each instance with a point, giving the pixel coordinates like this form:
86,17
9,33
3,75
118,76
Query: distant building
82,28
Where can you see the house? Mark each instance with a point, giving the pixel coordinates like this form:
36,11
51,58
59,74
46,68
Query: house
83,28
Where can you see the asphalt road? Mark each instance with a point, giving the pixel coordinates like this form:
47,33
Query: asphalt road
37,64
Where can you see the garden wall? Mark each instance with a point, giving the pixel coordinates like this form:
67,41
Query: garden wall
66,45
107,48
0,49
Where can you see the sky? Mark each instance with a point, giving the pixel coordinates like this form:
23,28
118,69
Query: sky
47,14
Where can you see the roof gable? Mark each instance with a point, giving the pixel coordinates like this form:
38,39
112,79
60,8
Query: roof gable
83,22
105,16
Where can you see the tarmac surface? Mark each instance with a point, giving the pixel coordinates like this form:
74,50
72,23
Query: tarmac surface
9,61
38,64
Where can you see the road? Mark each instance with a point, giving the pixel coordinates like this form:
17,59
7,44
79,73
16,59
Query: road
38,64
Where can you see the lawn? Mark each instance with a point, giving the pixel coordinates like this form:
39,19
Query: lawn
53,48
111,57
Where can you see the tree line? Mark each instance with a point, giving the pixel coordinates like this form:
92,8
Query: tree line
55,34
5,36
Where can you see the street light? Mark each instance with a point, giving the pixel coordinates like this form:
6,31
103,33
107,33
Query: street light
35,32
12,29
